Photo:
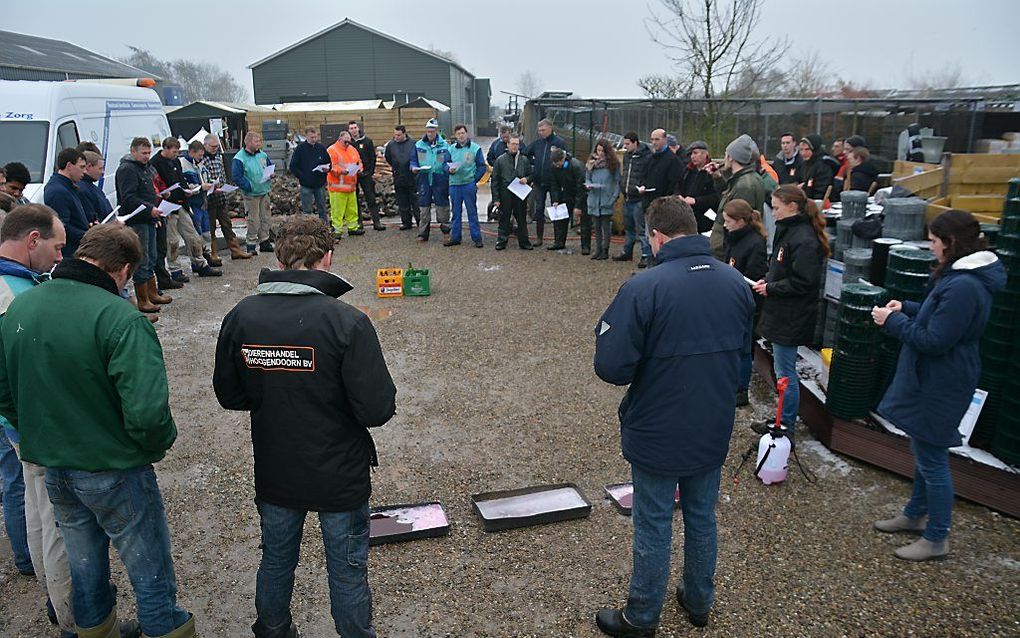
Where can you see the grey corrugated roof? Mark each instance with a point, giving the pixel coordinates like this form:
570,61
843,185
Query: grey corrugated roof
346,21
31,52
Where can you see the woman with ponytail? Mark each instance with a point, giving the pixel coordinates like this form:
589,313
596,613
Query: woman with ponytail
791,288
937,372
744,247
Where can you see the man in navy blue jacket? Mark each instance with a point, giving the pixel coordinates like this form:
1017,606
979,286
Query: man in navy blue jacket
304,165
542,172
61,194
95,202
676,333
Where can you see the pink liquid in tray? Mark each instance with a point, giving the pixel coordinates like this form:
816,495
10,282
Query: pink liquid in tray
408,519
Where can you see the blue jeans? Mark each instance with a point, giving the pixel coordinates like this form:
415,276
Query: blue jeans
466,195
933,490
14,503
147,267
345,536
200,219
318,195
784,362
634,228
653,538
123,506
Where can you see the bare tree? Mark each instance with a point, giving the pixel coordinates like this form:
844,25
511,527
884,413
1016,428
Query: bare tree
712,41
946,77
528,84
659,86
809,76
200,80
449,55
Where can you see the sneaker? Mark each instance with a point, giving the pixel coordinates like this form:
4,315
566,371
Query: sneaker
356,231
179,276
644,262
923,549
209,271
479,244
900,523
450,242
500,245
623,257
698,620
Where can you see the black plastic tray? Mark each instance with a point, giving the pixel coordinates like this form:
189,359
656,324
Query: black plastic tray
624,506
495,524
378,535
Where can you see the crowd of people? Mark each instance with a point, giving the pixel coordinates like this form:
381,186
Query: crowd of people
78,472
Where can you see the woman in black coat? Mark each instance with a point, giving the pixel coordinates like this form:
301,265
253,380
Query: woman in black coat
816,174
745,249
791,287
937,372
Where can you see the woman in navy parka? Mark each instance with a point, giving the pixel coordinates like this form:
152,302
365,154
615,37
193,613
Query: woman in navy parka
938,371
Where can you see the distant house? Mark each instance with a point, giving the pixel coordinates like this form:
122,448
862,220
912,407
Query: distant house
349,61
27,57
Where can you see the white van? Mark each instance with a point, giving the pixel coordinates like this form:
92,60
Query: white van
38,119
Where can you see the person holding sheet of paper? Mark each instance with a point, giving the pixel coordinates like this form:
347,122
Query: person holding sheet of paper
467,167
135,189
398,153
97,204
366,173
180,224
602,178
199,186
343,187
61,194
306,164
698,186
428,163
510,167
248,167
567,188
216,173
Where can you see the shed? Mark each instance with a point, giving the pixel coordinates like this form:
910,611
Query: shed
185,121
29,57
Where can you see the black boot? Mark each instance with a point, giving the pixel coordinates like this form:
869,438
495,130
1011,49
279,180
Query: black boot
613,623
698,620
286,631
376,223
539,231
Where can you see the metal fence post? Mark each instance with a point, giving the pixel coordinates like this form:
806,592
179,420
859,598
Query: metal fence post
818,113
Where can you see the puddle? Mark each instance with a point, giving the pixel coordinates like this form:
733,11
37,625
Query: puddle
376,313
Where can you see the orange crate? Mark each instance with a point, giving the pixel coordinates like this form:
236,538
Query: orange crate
389,282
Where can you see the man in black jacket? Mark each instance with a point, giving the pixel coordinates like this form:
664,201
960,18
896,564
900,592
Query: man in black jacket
664,174
137,200
366,178
306,165
635,157
310,370
698,186
788,162
510,166
541,176
398,155
567,188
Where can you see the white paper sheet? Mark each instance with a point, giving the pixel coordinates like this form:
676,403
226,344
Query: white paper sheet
167,191
453,166
322,168
124,218
193,190
165,208
424,168
592,185
113,213
710,214
558,212
268,172
519,189
227,188
352,169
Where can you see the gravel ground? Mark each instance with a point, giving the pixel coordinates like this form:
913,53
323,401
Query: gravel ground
496,391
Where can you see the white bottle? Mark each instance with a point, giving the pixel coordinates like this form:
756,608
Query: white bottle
777,446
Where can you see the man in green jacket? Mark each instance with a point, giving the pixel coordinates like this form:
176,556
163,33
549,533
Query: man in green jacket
89,399
744,183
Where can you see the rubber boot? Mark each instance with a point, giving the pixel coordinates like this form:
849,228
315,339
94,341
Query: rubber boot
154,295
187,630
142,294
376,222
109,628
235,250
286,631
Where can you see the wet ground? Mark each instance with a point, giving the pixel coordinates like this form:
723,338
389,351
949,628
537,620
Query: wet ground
496,391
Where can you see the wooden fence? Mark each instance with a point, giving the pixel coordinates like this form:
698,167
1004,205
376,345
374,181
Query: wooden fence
377,123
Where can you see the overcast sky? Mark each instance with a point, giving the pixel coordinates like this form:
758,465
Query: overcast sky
596,48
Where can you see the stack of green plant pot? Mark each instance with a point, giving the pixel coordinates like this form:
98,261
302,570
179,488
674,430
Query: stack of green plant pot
854,359
1000,344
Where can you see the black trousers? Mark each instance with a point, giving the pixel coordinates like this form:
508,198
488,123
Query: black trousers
512,206
407,203
367,185
560,228
160,268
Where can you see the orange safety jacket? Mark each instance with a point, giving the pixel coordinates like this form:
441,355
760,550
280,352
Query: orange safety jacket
340,158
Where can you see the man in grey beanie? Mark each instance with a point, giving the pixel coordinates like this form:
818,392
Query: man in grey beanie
743,182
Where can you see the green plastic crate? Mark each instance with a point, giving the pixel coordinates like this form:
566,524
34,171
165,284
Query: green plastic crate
417,283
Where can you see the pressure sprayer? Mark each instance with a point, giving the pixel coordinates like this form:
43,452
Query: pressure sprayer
774,447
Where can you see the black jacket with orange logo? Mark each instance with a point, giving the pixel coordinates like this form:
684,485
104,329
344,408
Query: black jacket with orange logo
310,370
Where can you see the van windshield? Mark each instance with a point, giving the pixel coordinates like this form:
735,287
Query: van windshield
25,142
